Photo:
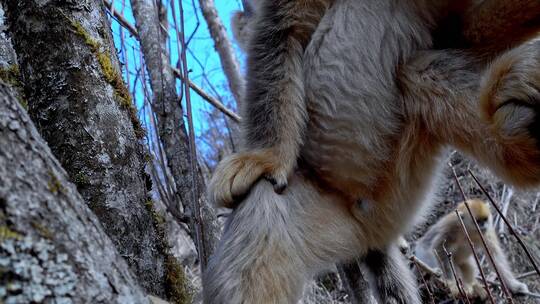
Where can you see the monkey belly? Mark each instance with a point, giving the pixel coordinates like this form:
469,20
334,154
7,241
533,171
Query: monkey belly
353,102
356,120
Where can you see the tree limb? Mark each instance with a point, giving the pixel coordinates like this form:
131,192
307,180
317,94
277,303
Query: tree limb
213,101
223,46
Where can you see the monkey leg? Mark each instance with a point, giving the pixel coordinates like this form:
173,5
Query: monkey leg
492,114
467,269
472,287
394,281
273,243
503,266
510,103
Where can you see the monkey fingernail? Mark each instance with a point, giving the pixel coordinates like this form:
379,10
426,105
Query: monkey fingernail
279,188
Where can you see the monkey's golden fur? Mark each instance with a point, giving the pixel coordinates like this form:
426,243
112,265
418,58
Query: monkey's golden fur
349,105
448,232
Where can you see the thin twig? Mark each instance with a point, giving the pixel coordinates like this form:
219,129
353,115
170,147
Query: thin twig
510,227
216,103
488,251
458,282
441,267
416,263
203,251
436,273
486,285
439,261
526,274
121,19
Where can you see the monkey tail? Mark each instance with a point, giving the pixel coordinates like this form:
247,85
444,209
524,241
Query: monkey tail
256,260
274,242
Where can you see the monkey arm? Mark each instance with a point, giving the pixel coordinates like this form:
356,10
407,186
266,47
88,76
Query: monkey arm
502,263
274,110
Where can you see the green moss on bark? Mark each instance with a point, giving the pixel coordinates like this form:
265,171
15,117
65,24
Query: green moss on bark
81,179
54,184
176,283
6,233
42,230
113,77
11,75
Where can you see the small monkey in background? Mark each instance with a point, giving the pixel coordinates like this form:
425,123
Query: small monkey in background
448,232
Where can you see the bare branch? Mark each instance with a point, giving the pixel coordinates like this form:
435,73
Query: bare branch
436,273
213,101
204,250
458,281
216,103
224,48
486,285
416,263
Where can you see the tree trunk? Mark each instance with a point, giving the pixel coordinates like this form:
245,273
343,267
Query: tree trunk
172,130
52,247
9,69
223,46
79,103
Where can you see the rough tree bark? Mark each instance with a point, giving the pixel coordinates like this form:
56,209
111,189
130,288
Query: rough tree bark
223,46
52,247
172,130
79,103
9,69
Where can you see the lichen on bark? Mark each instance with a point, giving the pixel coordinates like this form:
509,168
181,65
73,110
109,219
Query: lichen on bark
76,97
177,286
52,247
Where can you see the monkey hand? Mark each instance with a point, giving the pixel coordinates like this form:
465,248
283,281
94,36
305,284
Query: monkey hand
510,103
235,175
453,289
516,287
468,289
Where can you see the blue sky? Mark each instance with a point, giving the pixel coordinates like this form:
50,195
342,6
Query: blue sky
203,61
